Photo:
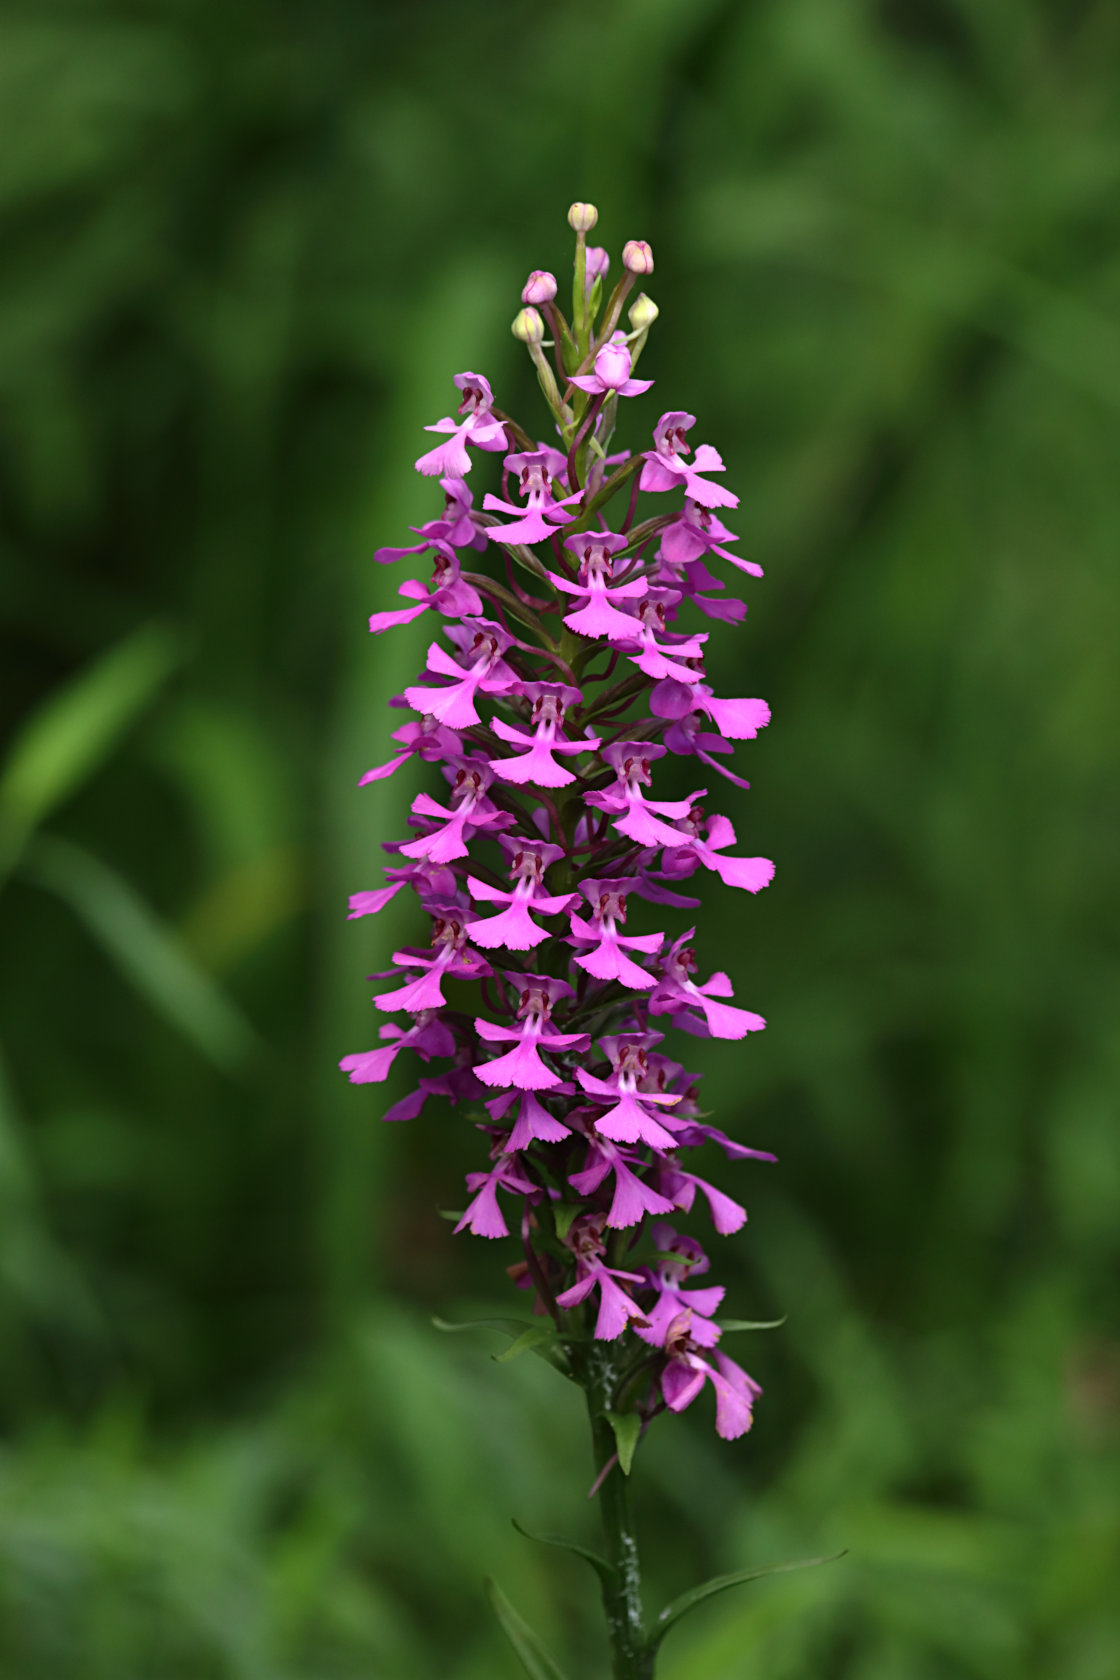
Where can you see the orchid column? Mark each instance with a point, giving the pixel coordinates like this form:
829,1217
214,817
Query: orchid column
567,663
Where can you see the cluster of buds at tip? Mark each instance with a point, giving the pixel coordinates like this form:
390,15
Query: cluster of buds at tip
568,670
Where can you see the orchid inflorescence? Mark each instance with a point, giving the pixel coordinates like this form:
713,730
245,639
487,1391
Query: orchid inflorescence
548,702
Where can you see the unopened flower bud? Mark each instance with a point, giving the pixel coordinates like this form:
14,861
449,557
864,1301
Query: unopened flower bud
642,313
539,288
637,257
582,217
528,326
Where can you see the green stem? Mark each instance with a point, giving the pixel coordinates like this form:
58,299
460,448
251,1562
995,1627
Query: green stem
631,1657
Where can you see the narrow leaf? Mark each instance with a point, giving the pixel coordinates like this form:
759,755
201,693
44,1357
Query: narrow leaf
511,1326
528,1339
627,1428
145,950
730,1325
689,1600
72,733
564,1214
535,1660
606,1571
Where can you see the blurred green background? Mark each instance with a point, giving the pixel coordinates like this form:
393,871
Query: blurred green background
244,248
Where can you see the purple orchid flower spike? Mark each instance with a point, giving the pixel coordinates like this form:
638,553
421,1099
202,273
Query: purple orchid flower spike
542,513
537,766
611,375
479,428
515,927
666,469
550,722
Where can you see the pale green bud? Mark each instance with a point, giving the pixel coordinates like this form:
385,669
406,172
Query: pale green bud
528,326
582,217
643,313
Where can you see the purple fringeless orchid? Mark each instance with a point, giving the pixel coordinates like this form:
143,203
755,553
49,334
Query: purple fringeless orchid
569,667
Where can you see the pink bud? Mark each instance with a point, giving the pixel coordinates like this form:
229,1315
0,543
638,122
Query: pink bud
597,264
539,288
612,365
637,257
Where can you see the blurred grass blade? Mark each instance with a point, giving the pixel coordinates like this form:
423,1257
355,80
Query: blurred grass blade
535,1660
145,950
720,1583
76,728
605,1571
33,1266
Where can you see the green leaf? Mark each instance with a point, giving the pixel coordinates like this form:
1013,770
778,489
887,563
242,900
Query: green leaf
531,1339
511,1326
689,1600
535,1660
606,1571
145,950
564,1214
627,1428
71,734
730,1325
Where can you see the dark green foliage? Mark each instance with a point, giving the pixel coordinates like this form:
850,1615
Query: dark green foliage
244,248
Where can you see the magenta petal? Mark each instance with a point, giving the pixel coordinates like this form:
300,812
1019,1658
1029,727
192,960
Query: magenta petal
521,1067
483,1216
633,1199
369,903
534,1121
514,929
615,1309
680,1384
403,615
628,1122
750,873
370,1067
425,992
738,720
